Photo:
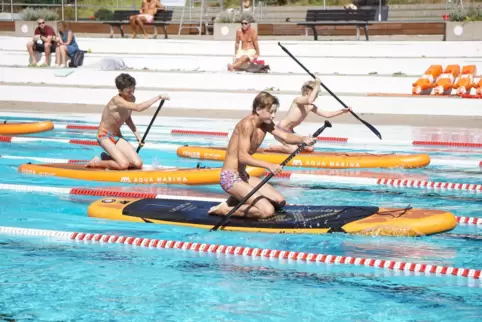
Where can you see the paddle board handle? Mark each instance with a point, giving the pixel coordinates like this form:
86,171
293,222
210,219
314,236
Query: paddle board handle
267,178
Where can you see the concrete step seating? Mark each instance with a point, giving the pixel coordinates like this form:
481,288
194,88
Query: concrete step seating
235,91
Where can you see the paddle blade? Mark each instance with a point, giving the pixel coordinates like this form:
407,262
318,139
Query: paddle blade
368,125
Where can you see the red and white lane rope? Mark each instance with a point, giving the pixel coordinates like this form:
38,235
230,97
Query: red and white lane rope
348,140
102,192
406,183
247,252
198,132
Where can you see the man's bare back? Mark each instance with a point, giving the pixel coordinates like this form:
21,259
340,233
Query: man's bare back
297,113
257,135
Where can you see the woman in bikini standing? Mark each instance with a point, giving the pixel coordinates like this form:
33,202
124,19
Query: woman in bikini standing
247,137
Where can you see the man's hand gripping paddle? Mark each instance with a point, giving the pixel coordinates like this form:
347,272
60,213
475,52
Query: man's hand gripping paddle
371,127
268,177
141,144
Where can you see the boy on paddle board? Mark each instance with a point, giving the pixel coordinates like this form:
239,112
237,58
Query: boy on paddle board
120,153
247,137
297,113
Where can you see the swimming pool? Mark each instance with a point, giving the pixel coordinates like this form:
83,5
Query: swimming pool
50,279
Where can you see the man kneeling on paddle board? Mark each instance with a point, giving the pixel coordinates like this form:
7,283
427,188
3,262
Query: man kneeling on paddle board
298,112
247,137
120,153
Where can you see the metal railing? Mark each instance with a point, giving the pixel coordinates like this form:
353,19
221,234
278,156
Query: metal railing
12,7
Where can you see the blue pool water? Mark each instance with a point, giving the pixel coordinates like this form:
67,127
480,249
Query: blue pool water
44,279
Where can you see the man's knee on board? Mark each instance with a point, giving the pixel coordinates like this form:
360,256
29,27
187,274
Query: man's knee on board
123,164
137,164
279,201
266,210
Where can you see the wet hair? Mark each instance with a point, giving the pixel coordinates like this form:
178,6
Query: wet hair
124,81
309,85
264,100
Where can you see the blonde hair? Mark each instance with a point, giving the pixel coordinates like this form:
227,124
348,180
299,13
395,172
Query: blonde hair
264,100
307,86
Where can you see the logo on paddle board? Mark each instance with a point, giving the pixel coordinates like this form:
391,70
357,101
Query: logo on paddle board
108,200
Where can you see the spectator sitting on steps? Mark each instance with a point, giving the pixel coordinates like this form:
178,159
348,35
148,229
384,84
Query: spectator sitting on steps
42,42
148,10
66,44
249,50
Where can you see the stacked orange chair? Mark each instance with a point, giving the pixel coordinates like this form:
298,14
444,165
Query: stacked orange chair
478,87
427,80
445,82
465,82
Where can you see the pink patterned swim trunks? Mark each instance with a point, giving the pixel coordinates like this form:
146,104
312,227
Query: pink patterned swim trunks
229,178
149,18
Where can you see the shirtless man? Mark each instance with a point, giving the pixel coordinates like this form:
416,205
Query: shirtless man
148,10
247,136
120,153
249,46
297,113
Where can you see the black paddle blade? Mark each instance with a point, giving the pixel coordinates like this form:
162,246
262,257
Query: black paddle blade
149,127
223,221
371,127
368,125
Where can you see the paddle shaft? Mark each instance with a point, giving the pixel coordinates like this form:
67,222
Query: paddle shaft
371,127
149,127
267,178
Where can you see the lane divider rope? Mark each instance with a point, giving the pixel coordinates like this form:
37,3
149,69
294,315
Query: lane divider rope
247,252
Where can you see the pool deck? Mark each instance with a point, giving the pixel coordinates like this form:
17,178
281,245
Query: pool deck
374,78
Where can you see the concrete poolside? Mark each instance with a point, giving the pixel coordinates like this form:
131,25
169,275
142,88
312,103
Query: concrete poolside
374,119
373,77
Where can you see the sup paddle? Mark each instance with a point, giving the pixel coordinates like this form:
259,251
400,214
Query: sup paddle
371,127
292,155
149,127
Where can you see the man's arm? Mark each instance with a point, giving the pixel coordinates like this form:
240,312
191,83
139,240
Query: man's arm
330,114
132,126
160,6
255,44
122,103
236,43
308,100
244,145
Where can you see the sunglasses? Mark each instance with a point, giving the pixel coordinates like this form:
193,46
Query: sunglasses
308,87
245,23
41,23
